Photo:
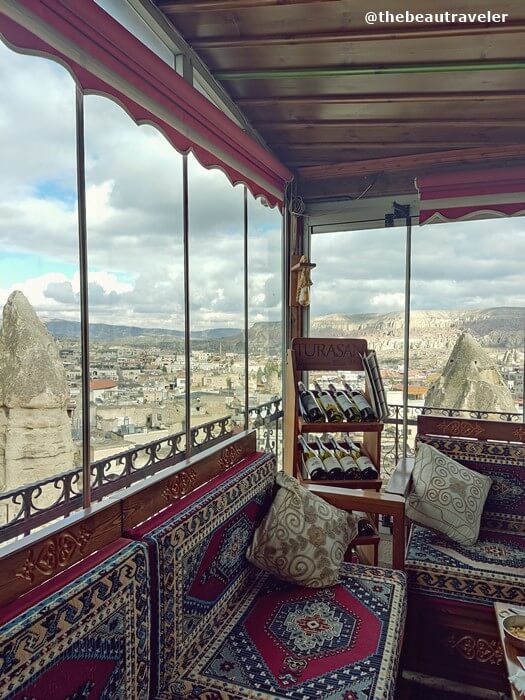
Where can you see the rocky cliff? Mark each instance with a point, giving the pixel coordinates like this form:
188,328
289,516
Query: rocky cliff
470,380
35,431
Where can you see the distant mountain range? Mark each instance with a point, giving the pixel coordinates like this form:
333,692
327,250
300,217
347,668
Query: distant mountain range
109,332
500,327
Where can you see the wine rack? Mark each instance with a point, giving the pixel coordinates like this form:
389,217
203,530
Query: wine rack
326,354
330,354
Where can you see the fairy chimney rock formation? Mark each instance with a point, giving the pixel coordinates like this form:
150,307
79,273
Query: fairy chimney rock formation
35,431
470,380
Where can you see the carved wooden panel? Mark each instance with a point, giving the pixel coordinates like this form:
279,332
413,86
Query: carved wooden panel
329,353
144,504
31,566
470,428
474,648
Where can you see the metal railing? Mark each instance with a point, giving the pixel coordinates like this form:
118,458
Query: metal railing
392,438
28,507
37,504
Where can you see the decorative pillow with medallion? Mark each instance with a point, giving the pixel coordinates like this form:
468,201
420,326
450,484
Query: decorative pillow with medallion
302,539
446,496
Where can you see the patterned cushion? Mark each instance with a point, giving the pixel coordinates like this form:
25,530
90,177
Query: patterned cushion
492,569
446,496
89,639
282,640
302,539
198,557
504,463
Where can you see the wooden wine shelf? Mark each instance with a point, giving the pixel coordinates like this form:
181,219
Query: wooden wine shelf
330,354
368,427
345,483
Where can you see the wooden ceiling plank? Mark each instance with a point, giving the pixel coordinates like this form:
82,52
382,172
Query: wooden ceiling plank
171,7
389,123
402,33
409,162
382,98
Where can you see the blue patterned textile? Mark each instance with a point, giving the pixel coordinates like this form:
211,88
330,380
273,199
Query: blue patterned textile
491,570
286,641
198,558
89,640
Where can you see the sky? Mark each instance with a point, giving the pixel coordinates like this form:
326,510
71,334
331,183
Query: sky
134,216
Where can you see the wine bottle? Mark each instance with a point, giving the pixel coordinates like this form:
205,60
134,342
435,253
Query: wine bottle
313,467
364,526
330,463
329,405
365,409
364,463
346,404
311,408
345,459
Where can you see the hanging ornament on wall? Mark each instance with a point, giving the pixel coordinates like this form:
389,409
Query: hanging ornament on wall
304,281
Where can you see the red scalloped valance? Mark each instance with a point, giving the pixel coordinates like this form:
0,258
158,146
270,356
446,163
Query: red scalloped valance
105,58
467,195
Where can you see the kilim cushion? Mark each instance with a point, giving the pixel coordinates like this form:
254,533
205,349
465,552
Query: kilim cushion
86,640
302,539
504,463
286,641
197,553
446,496
492,569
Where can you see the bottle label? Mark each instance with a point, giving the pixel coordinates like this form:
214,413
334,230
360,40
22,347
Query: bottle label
347,463
312,463
328,404
365,462
345,403
331,463
309,403
361,402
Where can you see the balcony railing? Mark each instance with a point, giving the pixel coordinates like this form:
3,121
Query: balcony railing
392,441
29,507
32,506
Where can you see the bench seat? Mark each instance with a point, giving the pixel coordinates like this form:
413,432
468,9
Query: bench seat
225,629
488,571
82,634
288,641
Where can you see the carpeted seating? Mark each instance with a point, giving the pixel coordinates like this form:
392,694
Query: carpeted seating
82,635
452,629
225,628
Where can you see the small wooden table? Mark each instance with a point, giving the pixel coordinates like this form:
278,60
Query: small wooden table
510,652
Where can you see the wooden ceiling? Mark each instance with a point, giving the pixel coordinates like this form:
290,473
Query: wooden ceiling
359,110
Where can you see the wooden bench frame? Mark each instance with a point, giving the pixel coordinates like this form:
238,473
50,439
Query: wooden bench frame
464,636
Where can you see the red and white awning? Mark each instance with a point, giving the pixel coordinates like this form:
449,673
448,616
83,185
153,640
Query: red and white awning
471,195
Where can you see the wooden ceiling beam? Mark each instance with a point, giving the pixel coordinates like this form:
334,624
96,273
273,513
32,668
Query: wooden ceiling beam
378,145
382,98
390,123
410,162
357,35
172,7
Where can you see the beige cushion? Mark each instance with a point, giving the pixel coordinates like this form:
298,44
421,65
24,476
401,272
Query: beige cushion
302,539
446,496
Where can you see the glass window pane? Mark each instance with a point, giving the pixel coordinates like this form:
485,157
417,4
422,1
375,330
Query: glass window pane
216,250
136,293
264,322
359,292
467,320
40,370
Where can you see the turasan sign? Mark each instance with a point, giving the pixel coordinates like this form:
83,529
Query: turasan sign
329,353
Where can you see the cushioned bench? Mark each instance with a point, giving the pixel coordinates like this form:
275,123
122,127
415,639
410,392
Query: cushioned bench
452,587
226,628
84,633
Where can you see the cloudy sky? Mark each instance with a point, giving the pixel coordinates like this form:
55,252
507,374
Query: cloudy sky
134,214
474,264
